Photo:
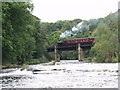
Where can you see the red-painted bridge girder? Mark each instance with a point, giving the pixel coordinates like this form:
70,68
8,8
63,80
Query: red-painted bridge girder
72,44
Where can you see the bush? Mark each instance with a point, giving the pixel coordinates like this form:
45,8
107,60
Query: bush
115,60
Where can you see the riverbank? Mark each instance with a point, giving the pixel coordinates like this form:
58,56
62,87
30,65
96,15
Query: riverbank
45,63
12,66
25,64
6,66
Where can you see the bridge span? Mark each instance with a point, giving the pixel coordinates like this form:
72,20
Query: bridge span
79,44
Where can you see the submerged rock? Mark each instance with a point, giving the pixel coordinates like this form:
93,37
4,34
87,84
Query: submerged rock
36,70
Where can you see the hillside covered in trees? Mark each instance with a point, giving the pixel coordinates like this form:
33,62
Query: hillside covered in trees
25,38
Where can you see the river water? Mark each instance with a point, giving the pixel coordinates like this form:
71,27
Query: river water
66,74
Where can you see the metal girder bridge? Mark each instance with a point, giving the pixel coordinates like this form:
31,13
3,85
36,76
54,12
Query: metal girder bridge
79,44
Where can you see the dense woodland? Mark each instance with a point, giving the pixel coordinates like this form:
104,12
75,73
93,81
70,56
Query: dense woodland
25,38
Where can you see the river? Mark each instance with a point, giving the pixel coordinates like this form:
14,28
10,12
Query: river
66,74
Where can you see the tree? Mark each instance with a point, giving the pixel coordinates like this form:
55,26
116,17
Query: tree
106,44
17,30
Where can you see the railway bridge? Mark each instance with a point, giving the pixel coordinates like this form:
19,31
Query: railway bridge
79,44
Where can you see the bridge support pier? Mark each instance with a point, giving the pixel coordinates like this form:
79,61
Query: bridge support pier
79,52
57,55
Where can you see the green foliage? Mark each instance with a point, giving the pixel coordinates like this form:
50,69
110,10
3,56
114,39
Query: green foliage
69,55
25,39
119,35
54,37
18,25
106,47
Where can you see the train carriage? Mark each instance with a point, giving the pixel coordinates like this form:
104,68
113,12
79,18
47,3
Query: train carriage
78,40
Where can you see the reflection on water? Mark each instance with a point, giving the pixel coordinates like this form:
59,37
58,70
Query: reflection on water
67,74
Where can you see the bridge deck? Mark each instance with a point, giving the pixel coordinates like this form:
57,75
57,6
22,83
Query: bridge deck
69,48
72,44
